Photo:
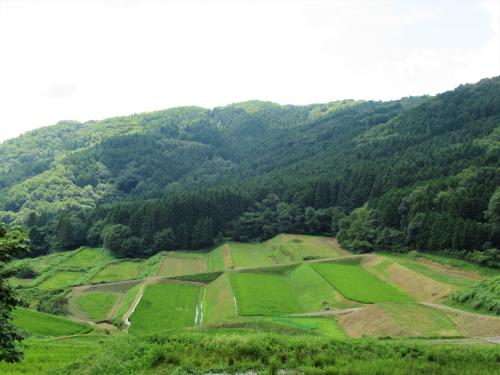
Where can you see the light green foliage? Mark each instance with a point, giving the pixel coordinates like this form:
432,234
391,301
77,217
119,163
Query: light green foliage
121,270
165,306
62,279
482,296
263,294
47,356
296,247
96,305
42,324
357,284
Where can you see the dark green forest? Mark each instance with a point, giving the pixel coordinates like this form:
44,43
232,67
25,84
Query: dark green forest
417,173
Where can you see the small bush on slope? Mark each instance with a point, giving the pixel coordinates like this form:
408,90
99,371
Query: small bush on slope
483,296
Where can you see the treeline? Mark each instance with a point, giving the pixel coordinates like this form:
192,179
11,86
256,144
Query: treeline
418,173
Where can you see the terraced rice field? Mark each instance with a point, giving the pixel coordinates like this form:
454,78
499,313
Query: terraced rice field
61,279
87,258
263,294
123,270
357,284
165,306
250,255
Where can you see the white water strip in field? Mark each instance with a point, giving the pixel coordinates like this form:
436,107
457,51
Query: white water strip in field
196,316
201,313
127,322
235,305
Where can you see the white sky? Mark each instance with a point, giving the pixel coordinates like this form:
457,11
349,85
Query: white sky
92,59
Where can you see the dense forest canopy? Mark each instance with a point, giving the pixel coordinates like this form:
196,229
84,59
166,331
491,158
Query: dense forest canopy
417,173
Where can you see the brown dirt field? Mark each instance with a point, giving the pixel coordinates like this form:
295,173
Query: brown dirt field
171,266
228,261
370,321
416,285
449,269
399,320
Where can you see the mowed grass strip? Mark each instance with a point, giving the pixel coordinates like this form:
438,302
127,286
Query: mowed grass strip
263,294
123,270
357,284
61,279
216,259
218,301
174,265
42,324
165,306
96,305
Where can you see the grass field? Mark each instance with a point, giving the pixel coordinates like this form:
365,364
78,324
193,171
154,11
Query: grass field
123,270
87,258
42,324
322,326
178,264
357,284
216,260
126,302
249,255
296,247
165,306
312,291
263,294
218,301
96,305
61,279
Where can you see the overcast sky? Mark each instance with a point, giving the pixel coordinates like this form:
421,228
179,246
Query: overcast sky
92,59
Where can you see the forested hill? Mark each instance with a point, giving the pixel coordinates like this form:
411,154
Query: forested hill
418,173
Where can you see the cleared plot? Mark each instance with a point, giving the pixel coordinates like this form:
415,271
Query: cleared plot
87,258
414,284
165,306
263,294
96,305
175,265
124,270
218,301
42,324
294,247
398,320
250,255
357,284
323,326
61,279
434,271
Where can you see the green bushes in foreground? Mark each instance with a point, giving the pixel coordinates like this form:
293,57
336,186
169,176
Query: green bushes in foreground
201,352
482,296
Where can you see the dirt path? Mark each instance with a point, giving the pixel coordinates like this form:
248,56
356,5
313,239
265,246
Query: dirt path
452,309
228,260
